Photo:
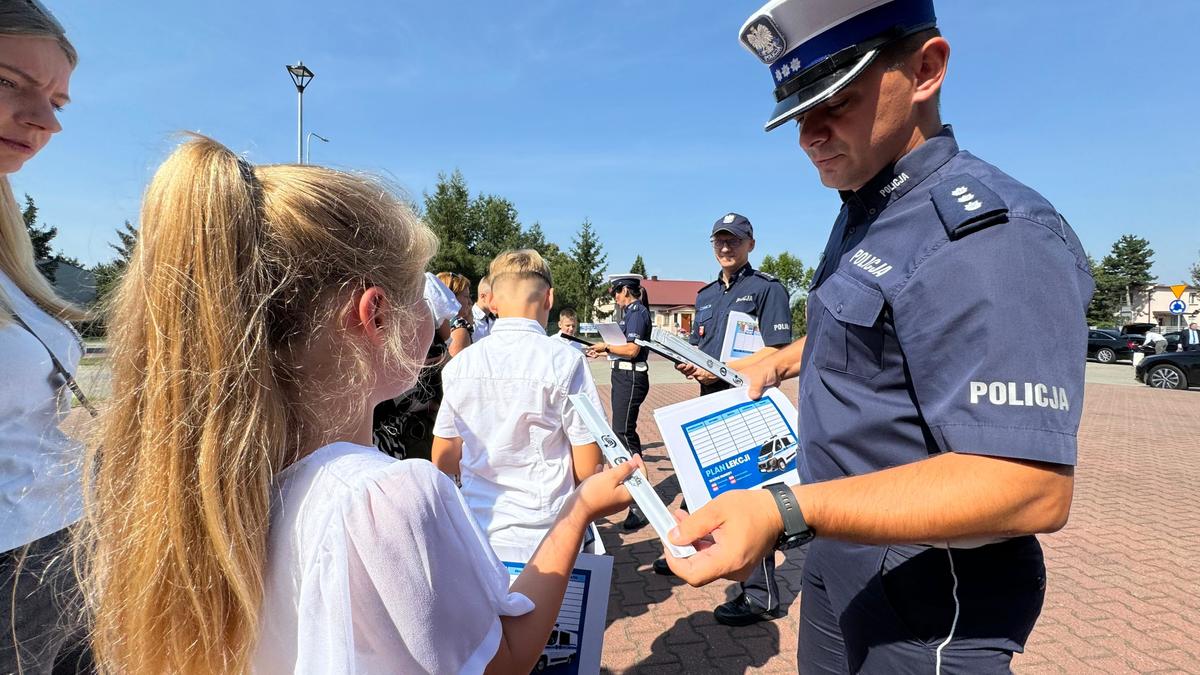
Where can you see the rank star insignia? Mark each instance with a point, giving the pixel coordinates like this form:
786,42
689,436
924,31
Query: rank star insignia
973,206
765,39
959,191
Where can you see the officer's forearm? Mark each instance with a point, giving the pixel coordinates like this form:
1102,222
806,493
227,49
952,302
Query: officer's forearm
628,350
950,497
786,361
747,361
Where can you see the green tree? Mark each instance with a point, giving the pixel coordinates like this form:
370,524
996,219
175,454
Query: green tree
585,278
639,266
1125,271
448,212
796,278
474,230
41,238
1107,299
108,275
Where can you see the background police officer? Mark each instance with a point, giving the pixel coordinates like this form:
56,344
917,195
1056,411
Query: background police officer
630,373
927,467
739,288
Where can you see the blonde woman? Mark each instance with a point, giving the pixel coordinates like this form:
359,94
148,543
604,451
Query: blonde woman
39,466
239,518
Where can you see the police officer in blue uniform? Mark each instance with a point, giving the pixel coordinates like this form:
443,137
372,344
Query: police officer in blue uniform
934,446
630,373
739,288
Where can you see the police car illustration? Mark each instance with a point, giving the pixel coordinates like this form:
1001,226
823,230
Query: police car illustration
561,647
776,454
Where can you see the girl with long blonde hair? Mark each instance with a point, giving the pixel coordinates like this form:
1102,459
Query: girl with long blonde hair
39,465
239,518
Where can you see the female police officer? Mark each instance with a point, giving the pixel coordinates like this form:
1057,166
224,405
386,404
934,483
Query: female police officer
630,374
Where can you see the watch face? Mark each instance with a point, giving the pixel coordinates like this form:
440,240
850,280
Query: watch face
795,541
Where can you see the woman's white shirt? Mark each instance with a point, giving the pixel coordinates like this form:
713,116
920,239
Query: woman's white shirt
376,566
40,489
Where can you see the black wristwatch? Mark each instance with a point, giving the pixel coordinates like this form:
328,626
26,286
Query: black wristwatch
796,532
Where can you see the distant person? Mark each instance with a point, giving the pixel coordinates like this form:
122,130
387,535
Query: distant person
568,324
1189,340
739,288
1155,339
39,350
239,520
483,313
460,328
505,426
403,426
630,372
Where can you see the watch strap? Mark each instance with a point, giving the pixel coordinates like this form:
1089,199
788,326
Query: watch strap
795,529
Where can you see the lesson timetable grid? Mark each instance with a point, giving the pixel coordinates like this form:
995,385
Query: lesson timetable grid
735,430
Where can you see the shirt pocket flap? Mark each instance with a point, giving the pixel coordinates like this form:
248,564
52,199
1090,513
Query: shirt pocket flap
851,301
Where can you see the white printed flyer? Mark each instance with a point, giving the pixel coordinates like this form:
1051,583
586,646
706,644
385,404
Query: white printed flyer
742,337
725,441
577,640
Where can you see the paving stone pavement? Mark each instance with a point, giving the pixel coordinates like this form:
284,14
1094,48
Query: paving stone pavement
1123,590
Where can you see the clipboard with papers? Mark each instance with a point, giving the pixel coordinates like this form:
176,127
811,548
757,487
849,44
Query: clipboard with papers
639,486
677,349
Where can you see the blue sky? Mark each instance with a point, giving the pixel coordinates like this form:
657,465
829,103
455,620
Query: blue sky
644,117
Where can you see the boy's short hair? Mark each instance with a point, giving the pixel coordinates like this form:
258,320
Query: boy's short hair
568,313
520,265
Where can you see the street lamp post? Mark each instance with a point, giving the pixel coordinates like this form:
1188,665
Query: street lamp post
308,145
301,76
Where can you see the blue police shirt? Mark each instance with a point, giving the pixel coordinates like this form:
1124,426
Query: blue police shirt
636,325
758,294
947,314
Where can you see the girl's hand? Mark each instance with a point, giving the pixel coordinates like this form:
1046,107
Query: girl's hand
603,494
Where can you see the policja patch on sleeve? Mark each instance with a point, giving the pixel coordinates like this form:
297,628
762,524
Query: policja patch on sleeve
966,205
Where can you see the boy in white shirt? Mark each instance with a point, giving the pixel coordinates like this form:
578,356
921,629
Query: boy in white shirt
505,426
568,324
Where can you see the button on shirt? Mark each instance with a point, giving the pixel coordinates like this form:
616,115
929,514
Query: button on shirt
750,292
910,350
506,397
635,324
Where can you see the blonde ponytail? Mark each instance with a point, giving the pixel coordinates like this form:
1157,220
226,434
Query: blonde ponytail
234,269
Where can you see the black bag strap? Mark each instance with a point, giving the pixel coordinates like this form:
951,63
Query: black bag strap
58,366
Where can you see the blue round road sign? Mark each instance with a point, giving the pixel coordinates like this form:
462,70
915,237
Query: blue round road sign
1178,307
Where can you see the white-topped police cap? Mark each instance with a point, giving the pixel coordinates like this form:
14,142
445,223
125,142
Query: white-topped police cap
814,48
618,281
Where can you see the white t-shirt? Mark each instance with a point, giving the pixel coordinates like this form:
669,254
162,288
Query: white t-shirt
375,566
40,490
506,397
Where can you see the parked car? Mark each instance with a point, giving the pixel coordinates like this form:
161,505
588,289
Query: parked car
1105,348
1172,343
1173,370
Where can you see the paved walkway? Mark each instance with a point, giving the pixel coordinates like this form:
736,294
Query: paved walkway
1124,575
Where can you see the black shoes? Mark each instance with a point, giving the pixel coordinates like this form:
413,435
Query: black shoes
661,567
741,611
636,520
